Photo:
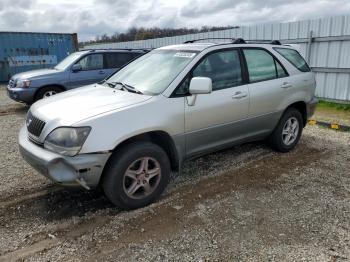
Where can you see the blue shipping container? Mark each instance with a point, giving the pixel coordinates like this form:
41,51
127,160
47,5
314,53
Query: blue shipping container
20,51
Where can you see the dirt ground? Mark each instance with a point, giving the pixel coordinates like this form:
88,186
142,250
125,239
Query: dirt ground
246,203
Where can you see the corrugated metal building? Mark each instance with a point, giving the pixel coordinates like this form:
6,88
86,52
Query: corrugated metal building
325,43
21,51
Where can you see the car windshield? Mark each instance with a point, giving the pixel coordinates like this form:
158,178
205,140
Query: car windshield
152,73
68,61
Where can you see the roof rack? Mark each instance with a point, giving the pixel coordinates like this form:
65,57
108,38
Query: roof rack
269,42
238,41
121,49
215,38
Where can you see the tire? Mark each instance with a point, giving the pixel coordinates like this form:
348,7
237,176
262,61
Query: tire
139,188
290,120
47,92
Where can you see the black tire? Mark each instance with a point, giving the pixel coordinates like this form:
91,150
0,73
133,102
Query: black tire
43,91
276,139
114,179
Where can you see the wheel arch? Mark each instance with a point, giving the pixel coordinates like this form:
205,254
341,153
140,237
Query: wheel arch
301,107
45,86
160,138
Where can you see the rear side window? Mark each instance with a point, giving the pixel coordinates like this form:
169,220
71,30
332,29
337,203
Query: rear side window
262,66
294,58
117,60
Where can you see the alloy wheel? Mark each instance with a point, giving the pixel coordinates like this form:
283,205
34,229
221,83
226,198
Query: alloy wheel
290,131
142,178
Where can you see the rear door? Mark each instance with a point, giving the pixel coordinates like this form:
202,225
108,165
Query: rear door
214,120
92,71
269,86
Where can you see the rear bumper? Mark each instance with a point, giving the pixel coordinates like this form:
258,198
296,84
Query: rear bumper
84,170
311,107
24,95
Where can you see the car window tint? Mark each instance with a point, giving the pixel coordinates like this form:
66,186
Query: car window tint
280,71
117,60
92,62
294,58
135,55
223,68
261,65
183,87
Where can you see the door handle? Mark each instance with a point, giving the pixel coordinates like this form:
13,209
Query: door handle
239,95
101,72
286,85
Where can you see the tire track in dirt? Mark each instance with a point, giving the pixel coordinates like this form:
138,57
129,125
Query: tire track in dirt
13,109
26,195
164,217
64,231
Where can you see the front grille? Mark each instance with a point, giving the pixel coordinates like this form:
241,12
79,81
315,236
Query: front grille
34,125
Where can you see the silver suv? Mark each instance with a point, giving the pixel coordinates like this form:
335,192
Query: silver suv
177,102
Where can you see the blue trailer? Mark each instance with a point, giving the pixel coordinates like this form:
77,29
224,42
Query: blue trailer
22,51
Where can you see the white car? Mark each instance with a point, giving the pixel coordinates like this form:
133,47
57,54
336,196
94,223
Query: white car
174,103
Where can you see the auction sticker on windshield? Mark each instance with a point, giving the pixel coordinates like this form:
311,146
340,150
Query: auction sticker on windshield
185,54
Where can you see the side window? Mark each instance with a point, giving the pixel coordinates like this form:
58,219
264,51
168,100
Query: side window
262,66
135,55
294,58
117,60
223,68
280,71
92,62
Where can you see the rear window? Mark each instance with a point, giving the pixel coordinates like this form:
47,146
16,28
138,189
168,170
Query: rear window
294,58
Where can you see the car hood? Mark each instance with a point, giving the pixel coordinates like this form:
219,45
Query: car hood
36,74
73,106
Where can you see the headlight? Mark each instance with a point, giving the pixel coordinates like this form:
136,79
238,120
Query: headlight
22,83
67,140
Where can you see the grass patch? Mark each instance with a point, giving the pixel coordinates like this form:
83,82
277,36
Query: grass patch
326,104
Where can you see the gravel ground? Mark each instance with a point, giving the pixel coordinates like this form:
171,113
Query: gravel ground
244,203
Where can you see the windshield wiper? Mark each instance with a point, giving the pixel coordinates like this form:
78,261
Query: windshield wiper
132,89
124,87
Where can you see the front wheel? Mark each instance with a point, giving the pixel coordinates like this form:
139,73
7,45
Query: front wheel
46,92
136,175
288,131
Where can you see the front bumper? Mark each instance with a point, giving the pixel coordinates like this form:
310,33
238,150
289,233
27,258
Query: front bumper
24,95
84,170
311,107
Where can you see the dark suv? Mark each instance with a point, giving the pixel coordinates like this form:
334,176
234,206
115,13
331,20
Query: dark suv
78,69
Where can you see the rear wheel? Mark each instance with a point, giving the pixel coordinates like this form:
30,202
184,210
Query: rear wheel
288,131
136,175
48,91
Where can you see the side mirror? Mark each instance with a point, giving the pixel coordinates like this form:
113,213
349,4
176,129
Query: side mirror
200,85
76,68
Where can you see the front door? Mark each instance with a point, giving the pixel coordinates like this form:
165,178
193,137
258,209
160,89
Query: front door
92,71
214,119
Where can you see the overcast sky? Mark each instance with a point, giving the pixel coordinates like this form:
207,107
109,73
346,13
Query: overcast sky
94,17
